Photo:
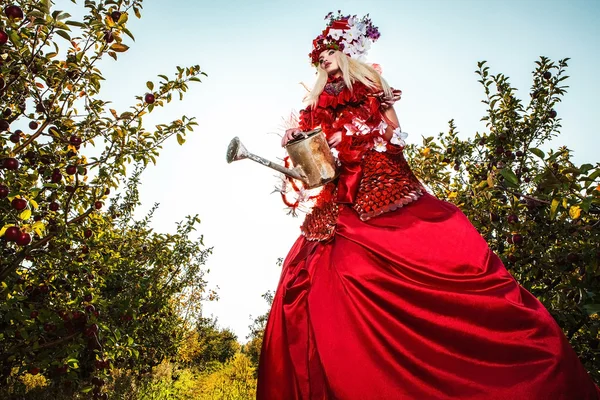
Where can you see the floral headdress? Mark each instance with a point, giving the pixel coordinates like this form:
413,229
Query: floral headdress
349,34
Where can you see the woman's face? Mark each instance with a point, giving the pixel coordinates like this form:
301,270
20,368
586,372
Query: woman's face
328,61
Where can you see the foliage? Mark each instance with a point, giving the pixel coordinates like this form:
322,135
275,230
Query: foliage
233,380
538,211
83,285
207,345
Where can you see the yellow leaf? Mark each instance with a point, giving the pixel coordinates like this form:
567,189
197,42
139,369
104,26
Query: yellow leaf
114,113
33,203
39,85
554,208
598,188
490,180
25,215
575,212
426,151
452,195
39,228
119,47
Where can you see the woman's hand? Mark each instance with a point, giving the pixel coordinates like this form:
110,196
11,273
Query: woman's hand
387,101
335,139
290,134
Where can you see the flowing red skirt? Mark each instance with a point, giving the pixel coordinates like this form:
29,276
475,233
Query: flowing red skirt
412,304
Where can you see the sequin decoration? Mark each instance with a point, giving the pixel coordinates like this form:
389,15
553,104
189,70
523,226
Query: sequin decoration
334,88
320,223
386,185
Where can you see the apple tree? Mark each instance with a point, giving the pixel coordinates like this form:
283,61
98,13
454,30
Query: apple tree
83,285
538,211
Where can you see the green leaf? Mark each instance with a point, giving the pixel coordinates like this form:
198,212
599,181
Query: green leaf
180,139
510,176
87,389
150,85
76,23
592,309
63,34
538,152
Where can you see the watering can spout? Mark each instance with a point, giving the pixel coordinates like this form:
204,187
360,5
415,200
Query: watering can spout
237,151
314,164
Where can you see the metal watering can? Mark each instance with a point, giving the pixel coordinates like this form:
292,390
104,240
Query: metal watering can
310,154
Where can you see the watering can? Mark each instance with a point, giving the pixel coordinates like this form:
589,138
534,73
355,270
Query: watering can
314,165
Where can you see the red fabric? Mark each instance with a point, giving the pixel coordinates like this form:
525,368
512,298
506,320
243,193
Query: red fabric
411,304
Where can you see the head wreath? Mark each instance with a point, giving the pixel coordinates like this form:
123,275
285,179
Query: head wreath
349,34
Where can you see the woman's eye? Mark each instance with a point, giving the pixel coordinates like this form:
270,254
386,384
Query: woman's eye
331,52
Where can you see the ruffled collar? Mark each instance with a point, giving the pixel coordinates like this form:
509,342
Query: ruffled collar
336,93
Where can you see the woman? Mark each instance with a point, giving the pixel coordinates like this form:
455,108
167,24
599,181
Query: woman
391,293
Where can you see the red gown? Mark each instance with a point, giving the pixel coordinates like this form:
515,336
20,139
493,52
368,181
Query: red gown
406,300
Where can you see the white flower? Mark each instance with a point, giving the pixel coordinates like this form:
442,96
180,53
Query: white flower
380,144
352,34
362,27
336,33
363,45
398,137
382,127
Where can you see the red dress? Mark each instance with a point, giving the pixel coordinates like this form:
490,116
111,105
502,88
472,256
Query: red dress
397,296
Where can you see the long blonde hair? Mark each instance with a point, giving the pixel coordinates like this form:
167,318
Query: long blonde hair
352,71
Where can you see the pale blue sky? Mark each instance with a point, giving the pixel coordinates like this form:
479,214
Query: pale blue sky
255,54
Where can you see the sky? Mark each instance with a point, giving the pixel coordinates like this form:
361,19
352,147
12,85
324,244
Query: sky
256,53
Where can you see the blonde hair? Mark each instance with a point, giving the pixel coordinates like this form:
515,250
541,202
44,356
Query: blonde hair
352,71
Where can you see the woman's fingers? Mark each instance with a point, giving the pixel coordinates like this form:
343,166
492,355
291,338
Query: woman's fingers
289,135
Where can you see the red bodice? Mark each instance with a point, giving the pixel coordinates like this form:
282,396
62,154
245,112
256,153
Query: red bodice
373,178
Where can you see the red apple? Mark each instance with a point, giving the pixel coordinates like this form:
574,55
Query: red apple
90,308
3,38
109,37
513,219
4,125
49,327
552,114
34,370
24,239
10,163
54,206
517,239
75,140
87,233
13,12
34,314
98,205
149,98
91,330
3,191
547,75
33,125
71,169
115,15
19,204
15,138
12,233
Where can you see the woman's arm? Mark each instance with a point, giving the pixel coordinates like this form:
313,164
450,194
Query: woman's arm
391,118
